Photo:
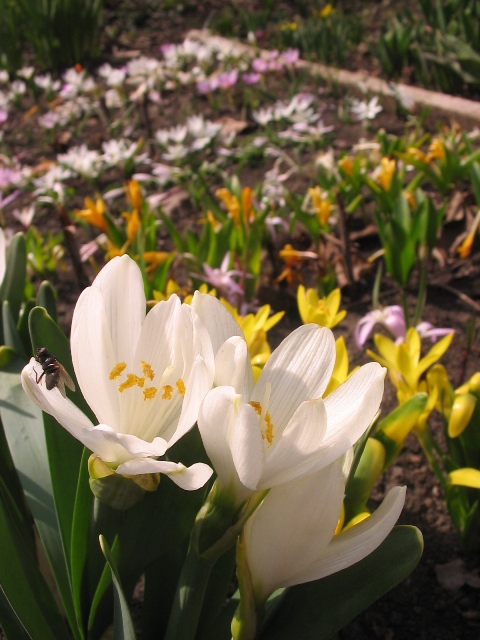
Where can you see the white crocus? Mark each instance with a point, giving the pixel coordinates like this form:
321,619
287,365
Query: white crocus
259,436
144,376
290,538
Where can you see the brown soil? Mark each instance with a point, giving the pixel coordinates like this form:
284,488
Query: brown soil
421,607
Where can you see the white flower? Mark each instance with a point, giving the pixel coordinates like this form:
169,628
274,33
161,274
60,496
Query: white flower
290,537
143,376
364,110
259,436
81,160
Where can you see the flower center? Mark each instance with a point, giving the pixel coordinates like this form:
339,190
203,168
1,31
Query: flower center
132,381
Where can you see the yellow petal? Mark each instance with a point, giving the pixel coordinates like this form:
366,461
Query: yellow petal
466,477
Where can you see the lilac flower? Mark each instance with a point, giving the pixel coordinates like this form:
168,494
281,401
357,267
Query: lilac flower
251,78
390,317
393,319
222,280
427,330
290,56
260,65
228,79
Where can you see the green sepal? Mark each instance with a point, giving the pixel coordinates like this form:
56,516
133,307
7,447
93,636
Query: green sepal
117,491
359,487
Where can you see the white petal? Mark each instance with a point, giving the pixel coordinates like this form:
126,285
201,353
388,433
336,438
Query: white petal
298,370
351,409
188,478
94,357
232,366
291,527
219,322
291,456
121,285
356,543
216,421
246,444
198,385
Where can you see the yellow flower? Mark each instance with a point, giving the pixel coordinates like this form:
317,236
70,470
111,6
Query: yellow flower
466,477
321,311
239,211
417,154
293,259
289,26
321,204
326,11
410,198
154,259
134,194
255,328
405,364
210,218
465,248
133,224
462,410
171,288
93,213
436,150
346,165
385,173
340,371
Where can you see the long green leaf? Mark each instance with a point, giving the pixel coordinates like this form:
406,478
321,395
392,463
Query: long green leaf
123,625
24,430
26,604
13,284
317,610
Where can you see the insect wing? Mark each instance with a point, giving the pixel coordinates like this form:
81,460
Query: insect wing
65,379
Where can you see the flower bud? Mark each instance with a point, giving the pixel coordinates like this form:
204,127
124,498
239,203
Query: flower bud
119,492
462,411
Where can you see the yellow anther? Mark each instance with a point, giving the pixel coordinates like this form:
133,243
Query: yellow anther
180,387
131,381
167,392
149,393
269,429
257,406
117,370
147,370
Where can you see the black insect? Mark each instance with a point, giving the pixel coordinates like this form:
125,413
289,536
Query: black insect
55,374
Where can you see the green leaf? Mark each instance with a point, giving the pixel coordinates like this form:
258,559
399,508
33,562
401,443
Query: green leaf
10,334
46,298
13,284
24,430
317,610
27,608
123,625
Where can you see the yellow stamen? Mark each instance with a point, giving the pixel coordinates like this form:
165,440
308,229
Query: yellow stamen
257,406
147,370
149,393
117,370
167,392
180,387
269,430
131,381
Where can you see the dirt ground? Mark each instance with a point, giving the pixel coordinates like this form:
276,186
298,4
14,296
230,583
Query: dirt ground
422,607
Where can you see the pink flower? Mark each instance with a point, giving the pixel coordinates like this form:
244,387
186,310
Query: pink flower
222,279
251,78
427,330
390,317
228,79
290,56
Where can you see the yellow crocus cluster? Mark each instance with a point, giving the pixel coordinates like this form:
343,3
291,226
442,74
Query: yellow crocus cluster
241,210
384,173
322,311
321,204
